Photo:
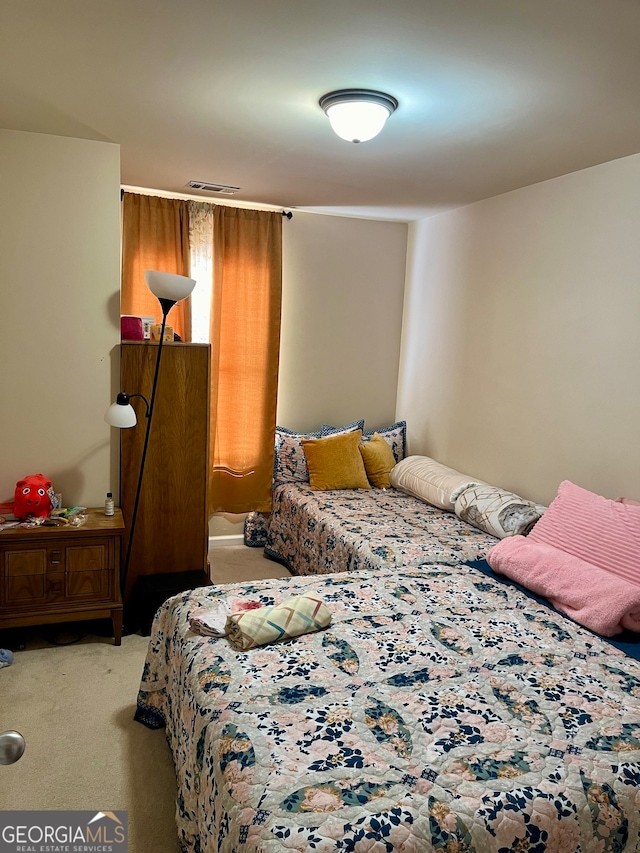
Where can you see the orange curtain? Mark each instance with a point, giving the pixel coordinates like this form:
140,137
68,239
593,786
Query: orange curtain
245,341
155,236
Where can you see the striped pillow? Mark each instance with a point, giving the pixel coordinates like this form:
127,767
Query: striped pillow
301,614
600,531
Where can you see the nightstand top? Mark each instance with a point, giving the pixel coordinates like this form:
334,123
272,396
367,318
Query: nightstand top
97,523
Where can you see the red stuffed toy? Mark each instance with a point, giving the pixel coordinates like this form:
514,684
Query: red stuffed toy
33,497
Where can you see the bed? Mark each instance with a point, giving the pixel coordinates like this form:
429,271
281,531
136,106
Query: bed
348,530
412,509
441,710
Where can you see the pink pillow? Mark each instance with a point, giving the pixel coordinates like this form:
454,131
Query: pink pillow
603,532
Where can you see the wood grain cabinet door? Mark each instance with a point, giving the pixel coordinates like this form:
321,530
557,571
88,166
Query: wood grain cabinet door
172,525
89,572
24,576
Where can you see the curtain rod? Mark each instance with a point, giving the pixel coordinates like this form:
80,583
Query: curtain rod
286,213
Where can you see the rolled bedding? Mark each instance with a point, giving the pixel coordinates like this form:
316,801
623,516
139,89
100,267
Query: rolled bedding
591,596
301,614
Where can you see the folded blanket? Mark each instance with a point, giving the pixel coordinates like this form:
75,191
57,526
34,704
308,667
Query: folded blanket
211,621
595,598
301,614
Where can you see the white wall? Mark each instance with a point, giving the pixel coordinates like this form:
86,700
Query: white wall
521,344
343,284
59,273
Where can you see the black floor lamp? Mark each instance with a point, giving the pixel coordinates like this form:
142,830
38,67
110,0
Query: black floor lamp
170,288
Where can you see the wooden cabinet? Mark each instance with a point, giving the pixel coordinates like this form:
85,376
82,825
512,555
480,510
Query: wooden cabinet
172,525
62,574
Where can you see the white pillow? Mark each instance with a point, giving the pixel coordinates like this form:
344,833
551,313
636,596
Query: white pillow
497,511
430,481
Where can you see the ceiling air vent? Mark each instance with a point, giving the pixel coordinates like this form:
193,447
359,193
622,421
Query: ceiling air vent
212,188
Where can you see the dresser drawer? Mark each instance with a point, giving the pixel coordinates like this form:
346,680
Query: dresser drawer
59,572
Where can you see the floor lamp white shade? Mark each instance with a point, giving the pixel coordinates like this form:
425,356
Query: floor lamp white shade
168,285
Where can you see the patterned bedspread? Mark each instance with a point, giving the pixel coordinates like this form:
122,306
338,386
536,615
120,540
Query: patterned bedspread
322,532
440,711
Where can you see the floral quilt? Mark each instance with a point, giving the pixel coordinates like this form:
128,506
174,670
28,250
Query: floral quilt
439,711
316,533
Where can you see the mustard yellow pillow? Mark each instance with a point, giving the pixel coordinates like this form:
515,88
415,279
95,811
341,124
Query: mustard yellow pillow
335,462
378,460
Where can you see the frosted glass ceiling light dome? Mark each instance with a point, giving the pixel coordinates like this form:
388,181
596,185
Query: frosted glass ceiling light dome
358,114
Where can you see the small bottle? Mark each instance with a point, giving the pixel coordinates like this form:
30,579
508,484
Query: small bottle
108,504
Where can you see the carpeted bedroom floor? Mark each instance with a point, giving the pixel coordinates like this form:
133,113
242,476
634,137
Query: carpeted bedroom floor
72,694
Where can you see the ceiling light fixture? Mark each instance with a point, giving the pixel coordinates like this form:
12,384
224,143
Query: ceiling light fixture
357,114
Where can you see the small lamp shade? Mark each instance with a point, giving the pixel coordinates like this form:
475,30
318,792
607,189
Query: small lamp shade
121,414
168,285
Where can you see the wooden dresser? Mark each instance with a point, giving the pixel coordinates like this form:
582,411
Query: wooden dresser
62,574
172,526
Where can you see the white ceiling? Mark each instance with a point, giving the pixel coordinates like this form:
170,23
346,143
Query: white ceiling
494,94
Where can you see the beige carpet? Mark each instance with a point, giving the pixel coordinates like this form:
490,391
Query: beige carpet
74,704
